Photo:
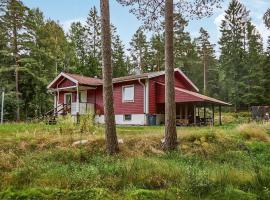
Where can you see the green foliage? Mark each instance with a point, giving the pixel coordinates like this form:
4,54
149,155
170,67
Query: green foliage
214,163
87,123
66,124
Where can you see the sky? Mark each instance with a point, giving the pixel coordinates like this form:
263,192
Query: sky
68,11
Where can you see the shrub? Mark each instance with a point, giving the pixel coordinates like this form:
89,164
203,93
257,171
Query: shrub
87,123
253,131
66,124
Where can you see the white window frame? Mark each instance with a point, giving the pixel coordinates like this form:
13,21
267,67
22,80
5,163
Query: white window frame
65,98
123,89
127,120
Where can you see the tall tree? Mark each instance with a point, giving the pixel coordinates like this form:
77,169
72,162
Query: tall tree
14,23
156,52
254,76
93,41
118,58
150,12
170,120
232,45
139,51
206,52
110,129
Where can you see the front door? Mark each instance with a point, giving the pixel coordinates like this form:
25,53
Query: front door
67,99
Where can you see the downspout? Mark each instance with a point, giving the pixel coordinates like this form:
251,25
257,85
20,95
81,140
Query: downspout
144,106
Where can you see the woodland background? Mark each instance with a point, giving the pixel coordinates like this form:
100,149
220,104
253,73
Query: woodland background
33,50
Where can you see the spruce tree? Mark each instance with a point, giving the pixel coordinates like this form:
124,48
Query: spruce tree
232,45
266,72
118,58
253,77
93,42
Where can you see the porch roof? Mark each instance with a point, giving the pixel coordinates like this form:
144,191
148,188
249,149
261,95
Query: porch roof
183,96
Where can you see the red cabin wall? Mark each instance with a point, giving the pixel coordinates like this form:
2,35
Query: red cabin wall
120,107
135,107
152,96
66,83
157,93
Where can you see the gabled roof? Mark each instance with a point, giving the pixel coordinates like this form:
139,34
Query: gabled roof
84,80
183,95
152,75
77,79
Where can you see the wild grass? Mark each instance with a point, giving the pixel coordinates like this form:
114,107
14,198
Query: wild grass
40,162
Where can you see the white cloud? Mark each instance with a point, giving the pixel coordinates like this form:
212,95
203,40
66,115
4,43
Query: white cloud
219,19
66,24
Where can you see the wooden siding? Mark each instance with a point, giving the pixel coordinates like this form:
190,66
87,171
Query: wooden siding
152,96
66,83
120,107
179,96
135,107
157,94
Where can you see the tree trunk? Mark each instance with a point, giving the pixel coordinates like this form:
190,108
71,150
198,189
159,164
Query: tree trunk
170,118
205,73
110,129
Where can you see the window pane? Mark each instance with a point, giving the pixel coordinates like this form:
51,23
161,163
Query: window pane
127,117
128,93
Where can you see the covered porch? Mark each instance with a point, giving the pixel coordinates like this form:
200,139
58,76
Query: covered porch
73,100
193,108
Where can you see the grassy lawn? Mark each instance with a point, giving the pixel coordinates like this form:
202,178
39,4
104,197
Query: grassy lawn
39,161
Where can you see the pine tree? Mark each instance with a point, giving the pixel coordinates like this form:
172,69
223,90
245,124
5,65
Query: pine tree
110,129
156,52
14,24
206,53
139,51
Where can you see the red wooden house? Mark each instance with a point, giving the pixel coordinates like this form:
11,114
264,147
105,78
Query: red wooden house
138,99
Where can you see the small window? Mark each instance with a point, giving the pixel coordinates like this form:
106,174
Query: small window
128,93
127,117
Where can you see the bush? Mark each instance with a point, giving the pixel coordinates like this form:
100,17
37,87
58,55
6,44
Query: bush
66,124
87,123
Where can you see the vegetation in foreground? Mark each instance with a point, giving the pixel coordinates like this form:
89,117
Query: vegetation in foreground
42,162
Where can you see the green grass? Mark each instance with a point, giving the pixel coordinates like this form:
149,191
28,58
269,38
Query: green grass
228,162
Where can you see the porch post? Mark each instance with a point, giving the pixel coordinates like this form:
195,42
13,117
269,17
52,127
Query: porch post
213,114
77,102
194,113
186,111
2,106
204,114
180,111
219,109
57,101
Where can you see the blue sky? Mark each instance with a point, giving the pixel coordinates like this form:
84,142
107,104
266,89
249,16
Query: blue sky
67,11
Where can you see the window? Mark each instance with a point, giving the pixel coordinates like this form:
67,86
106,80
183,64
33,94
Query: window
128,93
127,117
